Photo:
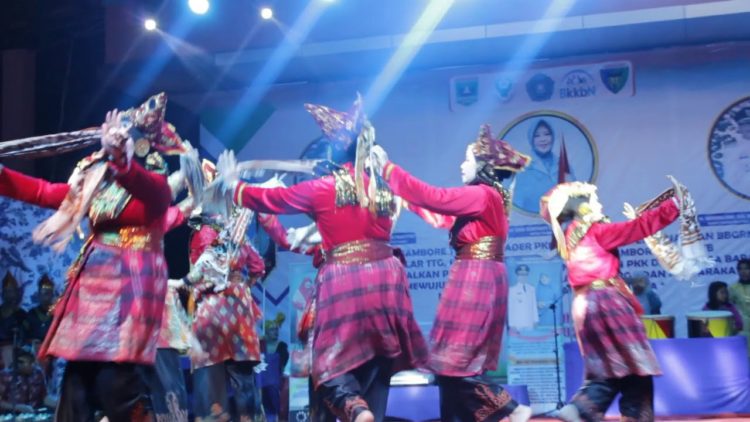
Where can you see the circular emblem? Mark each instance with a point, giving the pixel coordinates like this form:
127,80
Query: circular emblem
561,150
142,147
729,148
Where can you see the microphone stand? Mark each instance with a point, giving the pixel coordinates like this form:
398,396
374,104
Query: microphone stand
553,307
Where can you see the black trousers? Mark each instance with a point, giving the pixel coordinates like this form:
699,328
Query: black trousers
364,388
166,384
636,404
211,396
115,389
317,408
474,398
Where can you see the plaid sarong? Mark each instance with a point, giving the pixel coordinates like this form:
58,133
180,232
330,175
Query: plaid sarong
112,307
468,330
611,335
364,310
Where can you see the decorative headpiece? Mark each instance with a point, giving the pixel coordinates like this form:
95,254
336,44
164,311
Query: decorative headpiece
151,130
498,153
552,204
345,128
337,125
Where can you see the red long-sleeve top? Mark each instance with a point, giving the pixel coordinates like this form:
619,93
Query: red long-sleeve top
478,210
149,202
317,198
594,257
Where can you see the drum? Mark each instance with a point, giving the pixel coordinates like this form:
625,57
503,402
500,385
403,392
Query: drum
709,324
658,326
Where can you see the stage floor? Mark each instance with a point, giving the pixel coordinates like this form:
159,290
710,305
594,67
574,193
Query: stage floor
727,418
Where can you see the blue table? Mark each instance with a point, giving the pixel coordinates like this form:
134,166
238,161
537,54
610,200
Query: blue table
702,376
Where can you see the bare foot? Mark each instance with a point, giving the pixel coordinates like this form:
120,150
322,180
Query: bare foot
520,414
569,413
365,416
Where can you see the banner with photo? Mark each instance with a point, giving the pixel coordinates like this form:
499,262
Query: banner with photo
597,80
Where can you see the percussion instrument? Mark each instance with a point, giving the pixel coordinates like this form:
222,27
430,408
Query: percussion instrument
658,326
709,324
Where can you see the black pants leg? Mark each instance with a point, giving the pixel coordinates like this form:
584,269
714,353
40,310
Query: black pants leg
116,389
210,392
474,398
594,398
76,401
246,393
166,384
347,395
317,408
637,401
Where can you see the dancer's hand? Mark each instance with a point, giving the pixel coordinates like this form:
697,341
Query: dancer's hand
679,191
227,169
303,237
379,158
629,212
116,140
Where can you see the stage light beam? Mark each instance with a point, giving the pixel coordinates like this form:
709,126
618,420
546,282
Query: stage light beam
412,43
150,24
266,13
199,7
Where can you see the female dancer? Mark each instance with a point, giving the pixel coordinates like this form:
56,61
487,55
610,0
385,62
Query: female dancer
617,355
364,327
467,333
106,323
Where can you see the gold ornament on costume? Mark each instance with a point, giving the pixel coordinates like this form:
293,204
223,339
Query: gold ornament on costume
142,147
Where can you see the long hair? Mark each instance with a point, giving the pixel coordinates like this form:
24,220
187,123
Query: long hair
713,292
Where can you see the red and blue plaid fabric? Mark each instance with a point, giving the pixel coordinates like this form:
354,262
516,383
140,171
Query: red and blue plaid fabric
111,309
468,330
611,336
364,311
224,326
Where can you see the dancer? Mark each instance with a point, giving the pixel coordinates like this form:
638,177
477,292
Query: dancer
107,321
224,268
467,334
617,355
364,327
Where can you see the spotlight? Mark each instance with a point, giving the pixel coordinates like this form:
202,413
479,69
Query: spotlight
266,13
199,7
149,24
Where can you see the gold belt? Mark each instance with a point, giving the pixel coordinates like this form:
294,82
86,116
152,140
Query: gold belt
602,284
359,252
486,248
136,238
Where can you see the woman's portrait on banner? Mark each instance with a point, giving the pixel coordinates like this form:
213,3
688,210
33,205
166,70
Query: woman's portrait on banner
561,150
729,148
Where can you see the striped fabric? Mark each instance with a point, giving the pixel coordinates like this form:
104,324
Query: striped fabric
468,329
111,310
364,311
611,336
